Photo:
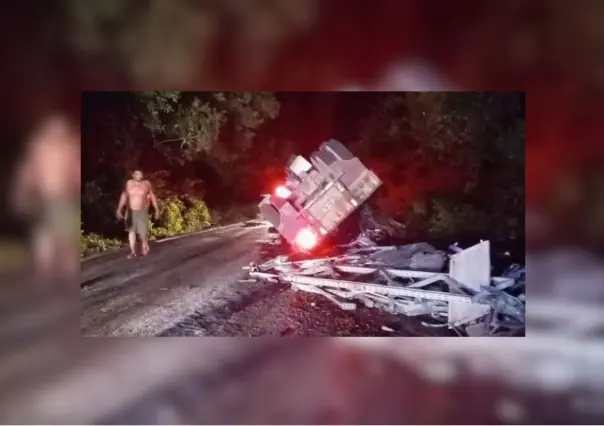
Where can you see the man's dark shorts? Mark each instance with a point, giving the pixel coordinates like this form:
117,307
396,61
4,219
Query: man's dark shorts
138,222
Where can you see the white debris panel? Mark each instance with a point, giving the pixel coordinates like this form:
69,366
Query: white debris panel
411,280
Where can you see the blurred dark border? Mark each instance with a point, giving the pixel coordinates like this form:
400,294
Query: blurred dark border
470,41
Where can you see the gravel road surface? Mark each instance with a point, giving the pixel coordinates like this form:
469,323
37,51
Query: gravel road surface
189,286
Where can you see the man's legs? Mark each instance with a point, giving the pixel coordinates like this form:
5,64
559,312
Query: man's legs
140,220
144,233
131,228
144,243
132,242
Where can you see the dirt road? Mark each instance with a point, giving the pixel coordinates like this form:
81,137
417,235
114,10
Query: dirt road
189,286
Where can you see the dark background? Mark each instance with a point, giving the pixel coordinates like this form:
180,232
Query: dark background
452,163
550,49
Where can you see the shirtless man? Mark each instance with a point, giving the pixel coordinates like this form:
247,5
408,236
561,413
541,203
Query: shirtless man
46,190
136,196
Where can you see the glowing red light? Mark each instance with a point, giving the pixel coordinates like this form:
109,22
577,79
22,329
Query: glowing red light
282,192
306,239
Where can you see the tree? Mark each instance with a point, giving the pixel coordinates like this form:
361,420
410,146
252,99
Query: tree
193,145
185,126
452,163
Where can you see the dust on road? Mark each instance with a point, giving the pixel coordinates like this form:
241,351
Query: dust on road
190,287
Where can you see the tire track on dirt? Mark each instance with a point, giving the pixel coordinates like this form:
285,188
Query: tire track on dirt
214,321
168,285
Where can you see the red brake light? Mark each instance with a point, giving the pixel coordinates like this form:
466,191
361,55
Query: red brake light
306,239
282,192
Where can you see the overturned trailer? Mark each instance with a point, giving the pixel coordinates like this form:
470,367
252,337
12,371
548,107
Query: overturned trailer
317,196
448,288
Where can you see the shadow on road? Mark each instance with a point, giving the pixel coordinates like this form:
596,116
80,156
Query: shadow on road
210,321
163,258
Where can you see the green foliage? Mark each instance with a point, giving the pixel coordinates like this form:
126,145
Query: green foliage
452,163
171,221
179,216
94,243
180,140
196,215
250,109
193,123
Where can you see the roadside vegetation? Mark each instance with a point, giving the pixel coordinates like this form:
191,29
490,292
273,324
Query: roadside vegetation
452,163
177,217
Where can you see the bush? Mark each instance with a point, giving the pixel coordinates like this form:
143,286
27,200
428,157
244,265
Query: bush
170,221
197,215
157,232
94,243
177,216
180,216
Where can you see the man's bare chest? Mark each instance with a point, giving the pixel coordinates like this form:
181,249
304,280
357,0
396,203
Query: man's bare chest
137,189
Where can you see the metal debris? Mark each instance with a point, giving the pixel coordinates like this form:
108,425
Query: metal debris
324,198
409,280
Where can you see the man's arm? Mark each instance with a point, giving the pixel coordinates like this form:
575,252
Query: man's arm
153,198
121,205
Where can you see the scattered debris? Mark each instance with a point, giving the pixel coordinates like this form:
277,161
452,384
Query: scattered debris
318,201
409,280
